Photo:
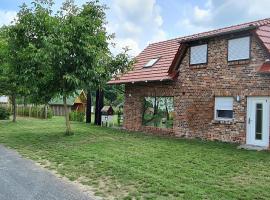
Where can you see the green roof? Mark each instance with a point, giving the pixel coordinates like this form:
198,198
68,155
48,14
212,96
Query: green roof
59,101
70,100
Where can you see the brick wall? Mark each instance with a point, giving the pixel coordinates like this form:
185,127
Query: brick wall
194,92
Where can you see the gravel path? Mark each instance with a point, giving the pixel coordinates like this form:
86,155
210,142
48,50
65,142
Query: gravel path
22,179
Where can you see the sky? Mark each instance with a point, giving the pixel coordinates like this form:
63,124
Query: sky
136,23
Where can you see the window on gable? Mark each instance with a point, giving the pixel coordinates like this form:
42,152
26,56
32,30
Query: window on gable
198,54
223,108
151,62
239,49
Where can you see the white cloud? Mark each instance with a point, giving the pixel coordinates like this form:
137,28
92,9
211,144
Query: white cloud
219,13
6,17
201,14
126,43
135,23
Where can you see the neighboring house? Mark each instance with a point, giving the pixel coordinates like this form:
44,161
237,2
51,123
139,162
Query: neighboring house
219,81
107,113
75,103
4,100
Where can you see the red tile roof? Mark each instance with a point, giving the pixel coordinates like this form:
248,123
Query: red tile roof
167,51
263,33
265,68
159,71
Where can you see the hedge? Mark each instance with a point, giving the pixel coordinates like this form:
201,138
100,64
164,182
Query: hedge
77,116
4,113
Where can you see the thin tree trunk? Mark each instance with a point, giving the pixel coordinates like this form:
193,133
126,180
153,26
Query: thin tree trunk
46,111
99,106
14,108
88,107
68,128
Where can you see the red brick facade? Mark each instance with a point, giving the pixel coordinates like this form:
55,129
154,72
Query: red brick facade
194,94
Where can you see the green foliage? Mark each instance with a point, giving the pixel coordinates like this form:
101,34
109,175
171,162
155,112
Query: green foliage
77,116
114,94
119,117
56,53
4,113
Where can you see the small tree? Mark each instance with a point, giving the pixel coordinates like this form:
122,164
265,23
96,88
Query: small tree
66,51
10,83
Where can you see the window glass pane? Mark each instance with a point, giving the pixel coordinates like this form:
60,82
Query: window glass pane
198,54
151,62
239,49
259,121
227,114
158,112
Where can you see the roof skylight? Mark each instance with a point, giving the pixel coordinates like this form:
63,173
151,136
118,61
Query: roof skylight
151,62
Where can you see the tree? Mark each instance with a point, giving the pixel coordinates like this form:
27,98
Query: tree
66,51
10,83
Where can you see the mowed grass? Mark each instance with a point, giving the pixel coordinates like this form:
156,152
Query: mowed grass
128,165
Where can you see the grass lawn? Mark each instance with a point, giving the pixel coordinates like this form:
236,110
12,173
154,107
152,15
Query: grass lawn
126,165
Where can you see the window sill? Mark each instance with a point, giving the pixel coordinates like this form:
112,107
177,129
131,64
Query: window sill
223,121
239,62
198,66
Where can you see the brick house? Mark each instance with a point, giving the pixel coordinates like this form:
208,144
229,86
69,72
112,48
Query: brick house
218,83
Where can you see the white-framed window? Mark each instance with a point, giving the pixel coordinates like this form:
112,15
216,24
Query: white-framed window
198,54
151,62
239,48
223,108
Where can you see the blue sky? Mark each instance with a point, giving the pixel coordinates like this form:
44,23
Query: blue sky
137,23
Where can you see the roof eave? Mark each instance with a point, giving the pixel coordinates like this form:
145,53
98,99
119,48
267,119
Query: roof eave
143,81
251,27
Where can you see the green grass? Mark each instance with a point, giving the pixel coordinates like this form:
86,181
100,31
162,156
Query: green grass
125,165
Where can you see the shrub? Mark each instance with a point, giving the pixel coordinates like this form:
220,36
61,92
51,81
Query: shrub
4,114
49,113
76,116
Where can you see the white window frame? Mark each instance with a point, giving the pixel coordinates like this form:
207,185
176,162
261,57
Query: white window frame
196,48
230,42
216,108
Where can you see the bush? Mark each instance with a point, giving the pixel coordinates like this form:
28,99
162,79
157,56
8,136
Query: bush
77,116
4,114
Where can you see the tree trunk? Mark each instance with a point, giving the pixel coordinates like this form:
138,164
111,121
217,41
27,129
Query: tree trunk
14,108
46,111
99,106
68,128
88,107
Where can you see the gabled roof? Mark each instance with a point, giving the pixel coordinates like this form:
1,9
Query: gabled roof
169,50
71,100
165,51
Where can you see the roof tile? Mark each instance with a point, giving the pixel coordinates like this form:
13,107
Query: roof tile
167,50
